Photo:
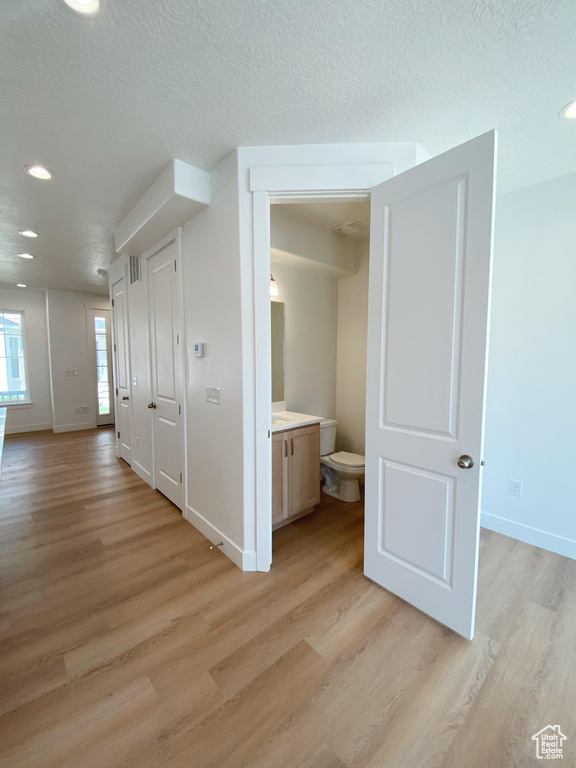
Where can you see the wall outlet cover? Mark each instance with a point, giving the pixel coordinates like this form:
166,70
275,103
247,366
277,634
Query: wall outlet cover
213,395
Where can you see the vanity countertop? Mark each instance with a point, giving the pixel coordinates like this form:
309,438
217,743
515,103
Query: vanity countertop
290,420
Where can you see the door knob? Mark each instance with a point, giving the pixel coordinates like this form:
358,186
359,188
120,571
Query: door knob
125,398
151,405
465,462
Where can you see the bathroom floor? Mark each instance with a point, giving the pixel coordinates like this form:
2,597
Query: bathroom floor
332,521
126,642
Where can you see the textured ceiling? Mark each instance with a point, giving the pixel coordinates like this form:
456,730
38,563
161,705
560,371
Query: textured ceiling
106,102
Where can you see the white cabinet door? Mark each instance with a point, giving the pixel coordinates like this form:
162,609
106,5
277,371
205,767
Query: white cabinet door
166,373
430,260
122,365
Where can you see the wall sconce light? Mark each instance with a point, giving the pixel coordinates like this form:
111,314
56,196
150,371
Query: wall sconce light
273,286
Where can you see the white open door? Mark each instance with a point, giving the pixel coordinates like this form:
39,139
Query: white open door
166,364
430,265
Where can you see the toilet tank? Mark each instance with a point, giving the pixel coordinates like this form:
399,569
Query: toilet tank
327,436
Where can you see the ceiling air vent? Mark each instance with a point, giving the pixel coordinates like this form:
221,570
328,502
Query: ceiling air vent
351,228
134,269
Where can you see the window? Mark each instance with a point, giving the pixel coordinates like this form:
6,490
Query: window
102,367
13,385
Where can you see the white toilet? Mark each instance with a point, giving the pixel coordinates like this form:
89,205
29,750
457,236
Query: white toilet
341,470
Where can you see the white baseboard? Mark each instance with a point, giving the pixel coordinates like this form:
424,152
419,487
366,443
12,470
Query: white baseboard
143,473
526,533
73,427
244,560
17,430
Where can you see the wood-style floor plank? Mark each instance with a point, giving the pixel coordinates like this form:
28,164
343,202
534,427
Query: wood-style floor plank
125,641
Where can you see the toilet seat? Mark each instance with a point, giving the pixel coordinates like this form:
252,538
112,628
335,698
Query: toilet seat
345,459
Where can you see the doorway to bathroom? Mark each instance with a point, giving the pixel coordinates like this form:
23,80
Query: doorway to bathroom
428,307
319,309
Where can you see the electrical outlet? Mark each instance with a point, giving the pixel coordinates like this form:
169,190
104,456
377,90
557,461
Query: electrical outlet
515,488
82,409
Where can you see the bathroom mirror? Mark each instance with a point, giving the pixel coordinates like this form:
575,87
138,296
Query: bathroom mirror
277,314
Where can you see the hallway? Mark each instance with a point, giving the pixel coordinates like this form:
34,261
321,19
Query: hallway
125,641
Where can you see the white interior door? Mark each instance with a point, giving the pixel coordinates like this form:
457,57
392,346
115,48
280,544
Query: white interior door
122,362
430,259
166,362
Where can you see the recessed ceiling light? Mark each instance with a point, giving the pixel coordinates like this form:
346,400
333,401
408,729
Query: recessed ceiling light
569,111
25,255
83,6
28,232
38,172
21,285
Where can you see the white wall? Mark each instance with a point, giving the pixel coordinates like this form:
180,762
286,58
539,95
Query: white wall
351,362
299,240
310,315
213,315
531,409
38,415
68,350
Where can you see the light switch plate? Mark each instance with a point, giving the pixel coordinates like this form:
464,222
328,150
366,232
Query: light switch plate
213,395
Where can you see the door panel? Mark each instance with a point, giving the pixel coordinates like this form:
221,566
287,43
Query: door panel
167,438
122,361
424,302
165,327
422,544
166,373
430,258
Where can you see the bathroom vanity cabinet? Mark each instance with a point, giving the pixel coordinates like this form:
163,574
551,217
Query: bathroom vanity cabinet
295,473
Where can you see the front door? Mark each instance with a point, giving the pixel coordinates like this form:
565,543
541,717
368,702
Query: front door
167,386
430,261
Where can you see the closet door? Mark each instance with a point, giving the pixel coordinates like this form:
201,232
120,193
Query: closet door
167,372
122,367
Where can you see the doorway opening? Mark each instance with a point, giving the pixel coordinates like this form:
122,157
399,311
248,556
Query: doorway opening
99,320
319,311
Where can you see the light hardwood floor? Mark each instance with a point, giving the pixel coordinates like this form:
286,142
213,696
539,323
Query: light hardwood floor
126,642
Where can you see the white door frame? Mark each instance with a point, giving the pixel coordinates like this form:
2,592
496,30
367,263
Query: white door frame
174,236
286,184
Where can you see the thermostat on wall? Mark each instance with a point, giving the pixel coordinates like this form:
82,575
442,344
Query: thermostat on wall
199,349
